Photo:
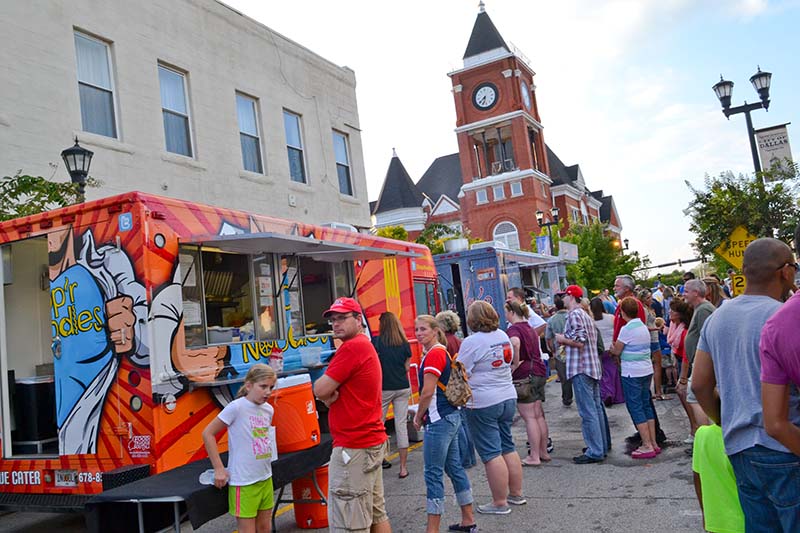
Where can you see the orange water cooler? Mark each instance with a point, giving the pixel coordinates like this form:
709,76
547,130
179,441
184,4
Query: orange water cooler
296,421
311,515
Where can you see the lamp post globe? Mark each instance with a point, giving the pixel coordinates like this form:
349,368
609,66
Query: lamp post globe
77,160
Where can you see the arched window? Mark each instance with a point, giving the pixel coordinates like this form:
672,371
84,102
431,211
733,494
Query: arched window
506,232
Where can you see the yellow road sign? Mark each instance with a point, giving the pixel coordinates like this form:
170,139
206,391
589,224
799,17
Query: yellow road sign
732,250
738,284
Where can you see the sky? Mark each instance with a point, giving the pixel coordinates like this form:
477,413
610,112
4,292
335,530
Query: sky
623,87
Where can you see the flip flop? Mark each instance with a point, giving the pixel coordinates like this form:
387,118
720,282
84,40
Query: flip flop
401,476
643,455
530,464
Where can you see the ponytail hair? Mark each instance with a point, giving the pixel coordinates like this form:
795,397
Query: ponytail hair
258,372
519,309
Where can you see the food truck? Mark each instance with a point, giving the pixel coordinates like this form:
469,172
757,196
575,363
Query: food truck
489,269
127,323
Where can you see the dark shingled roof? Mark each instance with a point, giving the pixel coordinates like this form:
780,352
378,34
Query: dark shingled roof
372,205
442,177
484,37
558,171
605,207
398,190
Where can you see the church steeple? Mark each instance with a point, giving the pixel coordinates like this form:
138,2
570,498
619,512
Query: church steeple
484,38
398,189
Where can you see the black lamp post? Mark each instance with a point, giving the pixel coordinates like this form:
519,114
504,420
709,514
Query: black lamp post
553,222
625,242
77,159
724,88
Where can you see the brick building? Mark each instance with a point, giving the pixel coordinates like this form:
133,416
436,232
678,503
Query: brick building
503,172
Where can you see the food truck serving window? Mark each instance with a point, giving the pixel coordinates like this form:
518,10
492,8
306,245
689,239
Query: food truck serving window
227,297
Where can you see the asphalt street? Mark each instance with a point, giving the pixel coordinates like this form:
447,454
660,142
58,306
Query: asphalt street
620,494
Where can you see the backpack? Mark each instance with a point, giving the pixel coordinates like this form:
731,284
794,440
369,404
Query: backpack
457,391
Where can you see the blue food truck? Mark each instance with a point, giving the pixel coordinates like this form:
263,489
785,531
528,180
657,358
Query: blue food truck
489,269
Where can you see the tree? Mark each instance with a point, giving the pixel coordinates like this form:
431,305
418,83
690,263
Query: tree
22,195
434,235
393,232
599,257
766,207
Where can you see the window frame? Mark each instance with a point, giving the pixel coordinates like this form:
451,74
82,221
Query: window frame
113,89
347,165
478,199
503,237
301,148
256,119
184,75
519,185
502,195
575,214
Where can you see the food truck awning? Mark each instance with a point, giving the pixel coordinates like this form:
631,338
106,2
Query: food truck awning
278,243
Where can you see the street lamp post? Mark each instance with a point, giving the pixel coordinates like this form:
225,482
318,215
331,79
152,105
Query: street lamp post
761,82
77,159
553,222
625,242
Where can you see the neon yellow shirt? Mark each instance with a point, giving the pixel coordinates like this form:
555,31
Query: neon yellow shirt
721,507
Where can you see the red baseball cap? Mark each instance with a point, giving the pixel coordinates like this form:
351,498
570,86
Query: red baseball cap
343,305
573,290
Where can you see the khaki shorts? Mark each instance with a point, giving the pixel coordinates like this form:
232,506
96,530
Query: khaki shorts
355,489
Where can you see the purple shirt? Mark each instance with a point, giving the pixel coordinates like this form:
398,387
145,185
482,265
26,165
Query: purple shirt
780,345
530,358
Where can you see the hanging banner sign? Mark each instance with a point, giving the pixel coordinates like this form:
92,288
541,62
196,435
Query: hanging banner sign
773,146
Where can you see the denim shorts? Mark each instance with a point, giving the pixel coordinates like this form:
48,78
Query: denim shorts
490,428
637,398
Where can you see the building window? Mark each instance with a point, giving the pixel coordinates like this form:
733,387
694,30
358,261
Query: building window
516,188
294,146
575,215
175,111
498,192
95,87
481,196
506,232
248,133
342,163
544,191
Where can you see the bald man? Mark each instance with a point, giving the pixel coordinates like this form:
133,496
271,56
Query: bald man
726,381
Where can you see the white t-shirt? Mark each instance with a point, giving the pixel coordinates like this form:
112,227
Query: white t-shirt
606,328
487,358
249,444
635,357
535,320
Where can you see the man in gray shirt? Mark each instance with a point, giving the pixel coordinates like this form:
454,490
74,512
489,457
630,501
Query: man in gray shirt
555,324
695,294
726,381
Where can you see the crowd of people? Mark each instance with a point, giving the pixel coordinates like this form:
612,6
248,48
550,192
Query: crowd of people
734,364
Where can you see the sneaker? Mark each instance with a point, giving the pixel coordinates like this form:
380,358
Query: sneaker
490,508
585,460
516,500
689,440
467,529
550,446
386,464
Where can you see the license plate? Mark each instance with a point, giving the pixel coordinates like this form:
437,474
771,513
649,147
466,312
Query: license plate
66,478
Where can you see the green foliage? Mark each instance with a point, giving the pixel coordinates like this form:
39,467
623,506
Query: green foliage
22,195
599,257
672,279
434,235
556,236
728,201
393,232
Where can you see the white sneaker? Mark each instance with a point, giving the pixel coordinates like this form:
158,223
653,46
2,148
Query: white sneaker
689,440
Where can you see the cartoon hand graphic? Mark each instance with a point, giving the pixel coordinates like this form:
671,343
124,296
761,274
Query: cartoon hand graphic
120,322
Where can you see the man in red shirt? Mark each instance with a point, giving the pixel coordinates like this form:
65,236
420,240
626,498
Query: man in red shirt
351,388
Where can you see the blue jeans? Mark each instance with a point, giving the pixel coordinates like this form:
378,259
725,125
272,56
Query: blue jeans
490,428
593,418
442,455
465,444
769,489
637,399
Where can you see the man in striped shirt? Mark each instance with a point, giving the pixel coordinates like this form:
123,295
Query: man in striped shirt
583,368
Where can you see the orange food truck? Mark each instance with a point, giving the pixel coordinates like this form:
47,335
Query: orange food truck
127,323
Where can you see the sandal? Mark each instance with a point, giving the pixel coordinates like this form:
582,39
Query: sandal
402,476
459,527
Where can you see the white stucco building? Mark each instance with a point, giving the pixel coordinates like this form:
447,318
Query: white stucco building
185,98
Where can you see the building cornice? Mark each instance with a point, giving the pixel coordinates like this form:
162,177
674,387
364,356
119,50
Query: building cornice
490,57
500,118
566,190
514,175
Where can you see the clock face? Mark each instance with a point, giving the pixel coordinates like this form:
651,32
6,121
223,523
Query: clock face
526,95
485,96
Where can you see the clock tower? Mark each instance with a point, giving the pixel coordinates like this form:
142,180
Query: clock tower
504,164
